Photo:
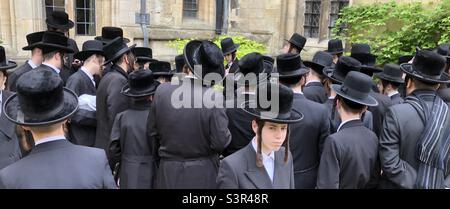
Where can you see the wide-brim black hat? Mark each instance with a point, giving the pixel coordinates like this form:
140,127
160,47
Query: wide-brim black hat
328,72
335,47
385,77
59,20
255,63
83,55
33,39
161,68
8,65
129,92
144,54
391,73
314,66
110,33
232,49
298,41
409,69
14,112
367,101
54,41
206,54
284,113
119,47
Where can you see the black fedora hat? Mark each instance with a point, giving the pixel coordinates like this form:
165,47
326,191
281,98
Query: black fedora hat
252,69
392,73
404,59
140,84
160,68
428,66
276,93
5,64
342,68
110,33
356,88
335,47
143,54
179,63
116,49
297,40
290,65
228,46
444,50
54,41
40,100
60,20
206,54
320,61
33,39
361,52
90,48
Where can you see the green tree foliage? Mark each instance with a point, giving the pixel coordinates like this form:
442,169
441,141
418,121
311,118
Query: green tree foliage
394,30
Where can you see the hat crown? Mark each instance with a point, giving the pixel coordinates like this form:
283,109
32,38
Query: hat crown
298,40
323,58
33,38
212,56
55,38
143,52
112,32
335,45
428,63
283,95
2,56
357,84
443,49
140,80
251,63
289,62
393,70
179,63
344,66
227,43
60,17
93,45
404,59
160,66
114,47
360,49
40,91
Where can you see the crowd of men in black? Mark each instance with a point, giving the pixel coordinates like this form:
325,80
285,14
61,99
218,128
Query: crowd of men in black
105,117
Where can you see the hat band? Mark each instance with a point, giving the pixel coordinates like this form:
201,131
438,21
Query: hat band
354,93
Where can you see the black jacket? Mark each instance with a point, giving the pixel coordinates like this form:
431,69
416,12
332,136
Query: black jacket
315,91
9,143
14,76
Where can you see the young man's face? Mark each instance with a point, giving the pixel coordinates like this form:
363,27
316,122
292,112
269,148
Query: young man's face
228,58
272,135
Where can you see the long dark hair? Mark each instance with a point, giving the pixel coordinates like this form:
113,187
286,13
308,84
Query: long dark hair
259,158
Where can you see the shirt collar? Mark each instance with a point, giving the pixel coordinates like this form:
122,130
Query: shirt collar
312,81
53,67
344,122
255,146
32,64
50,139
392,93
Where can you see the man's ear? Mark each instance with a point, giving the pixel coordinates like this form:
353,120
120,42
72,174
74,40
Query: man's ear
254,126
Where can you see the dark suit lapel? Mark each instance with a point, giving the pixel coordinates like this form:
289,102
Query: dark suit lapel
6,127
258,176
86,79
281,171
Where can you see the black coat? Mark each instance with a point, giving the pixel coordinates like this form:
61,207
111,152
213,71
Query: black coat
315,91
335,118
402,128
234,66
239,171
349,159
110,102
82,126
68,70
240,126
306,140
131,147
14,76
378,112
396,99
59,165
444,93
189,140
9,143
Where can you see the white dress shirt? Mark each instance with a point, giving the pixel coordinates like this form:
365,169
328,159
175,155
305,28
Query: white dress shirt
268,160
392,93
53,67
32,64
344,122
50,139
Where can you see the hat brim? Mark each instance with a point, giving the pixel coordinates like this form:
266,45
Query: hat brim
372,69
107,41
14,113
170,73
385,77
30,47
127,91
318,68
409,70
67,26
368,101
147,59
298,72
328,72
9,65
231,50
119,53
334,52
293,117
54,47
83,55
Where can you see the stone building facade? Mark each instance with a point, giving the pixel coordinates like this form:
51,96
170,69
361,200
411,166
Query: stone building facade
268,21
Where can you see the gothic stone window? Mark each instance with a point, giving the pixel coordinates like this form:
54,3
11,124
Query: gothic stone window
336,8
312,18
190,8
85,17
52,5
